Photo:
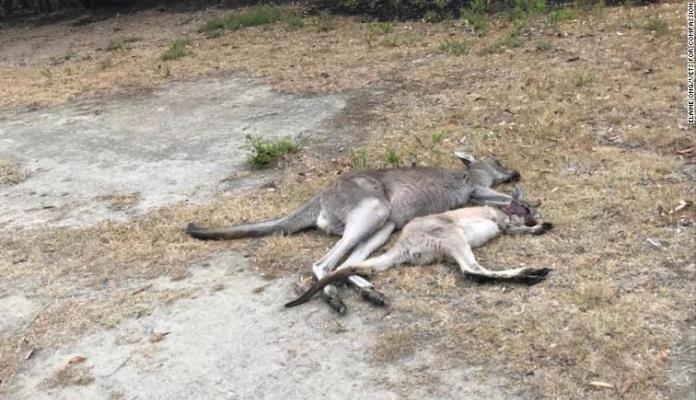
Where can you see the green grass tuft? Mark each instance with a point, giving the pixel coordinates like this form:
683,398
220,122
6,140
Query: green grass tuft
584,79
543,45
260,15
391,158
179,48
116,44
455,47
358,159
266,153
655,24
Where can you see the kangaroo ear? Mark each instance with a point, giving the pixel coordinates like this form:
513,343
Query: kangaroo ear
465,157
517,193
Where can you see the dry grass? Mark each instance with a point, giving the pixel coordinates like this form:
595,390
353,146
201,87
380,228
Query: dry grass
10,173
609,158
120,201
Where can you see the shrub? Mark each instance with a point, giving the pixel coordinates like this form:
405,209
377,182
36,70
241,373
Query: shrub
260,15
265,153
178,48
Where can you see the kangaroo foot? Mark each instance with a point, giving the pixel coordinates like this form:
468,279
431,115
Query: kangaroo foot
373,296
533,276
335,302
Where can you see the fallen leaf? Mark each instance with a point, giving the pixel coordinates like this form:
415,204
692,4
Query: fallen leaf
625,386
602,384
76,359
158,336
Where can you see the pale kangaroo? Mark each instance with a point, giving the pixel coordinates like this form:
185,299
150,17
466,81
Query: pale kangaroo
449,236
365,207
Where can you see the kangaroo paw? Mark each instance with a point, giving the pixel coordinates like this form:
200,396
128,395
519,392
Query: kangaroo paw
545,227
373,296
336,303
534,275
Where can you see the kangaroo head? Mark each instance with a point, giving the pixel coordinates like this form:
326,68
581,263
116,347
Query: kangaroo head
521,213
488,171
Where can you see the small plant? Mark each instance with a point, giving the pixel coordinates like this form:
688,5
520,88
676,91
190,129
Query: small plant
584,79
543,45
179,48
325,22
391,157
266,153
260,15
562,14
358,159
116,44
375,29
475,15
655,24
438,137
294,22
454,47
432,16
510,41
522,8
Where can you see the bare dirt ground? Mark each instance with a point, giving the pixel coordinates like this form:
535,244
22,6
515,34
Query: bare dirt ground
589,109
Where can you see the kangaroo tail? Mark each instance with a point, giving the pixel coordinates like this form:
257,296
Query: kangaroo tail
303,218
337,275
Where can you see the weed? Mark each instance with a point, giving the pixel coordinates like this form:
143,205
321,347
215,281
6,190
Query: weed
46,74
325,22
562,14
475,15
655,24
358,159
265,153
391,158
375,29
523,8
438,136
255,16
294,22
116,44
510,41
455,47
584,79
543,45
179,48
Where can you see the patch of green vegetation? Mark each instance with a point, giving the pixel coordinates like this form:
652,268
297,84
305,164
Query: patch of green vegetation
584,79
116,44
475,15
562,14
294,22
543,45
325,22
523,8
438,136
655,24
510,41
358,159
455,47
266,153
179,48
255,16
375,29
391,158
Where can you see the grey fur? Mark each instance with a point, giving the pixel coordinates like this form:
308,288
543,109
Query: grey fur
360,205
448,236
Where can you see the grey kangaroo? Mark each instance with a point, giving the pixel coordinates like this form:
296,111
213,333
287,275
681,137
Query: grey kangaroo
365,207
450,236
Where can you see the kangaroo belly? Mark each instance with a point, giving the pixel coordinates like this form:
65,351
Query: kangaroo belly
479,231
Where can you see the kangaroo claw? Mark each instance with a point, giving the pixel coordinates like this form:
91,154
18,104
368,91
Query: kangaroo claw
373,296
534,275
